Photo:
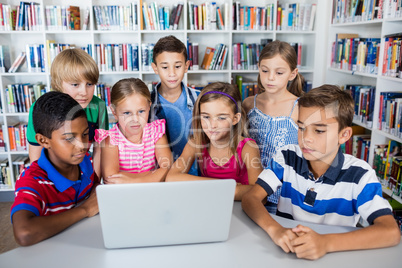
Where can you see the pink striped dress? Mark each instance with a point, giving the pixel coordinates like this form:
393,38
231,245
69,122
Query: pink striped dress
135,158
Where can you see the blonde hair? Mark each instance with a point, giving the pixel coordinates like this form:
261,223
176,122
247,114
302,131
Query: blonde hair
126,87
288,54
200,138
73,65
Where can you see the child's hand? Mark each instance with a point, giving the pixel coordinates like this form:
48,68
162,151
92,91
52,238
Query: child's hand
308,244
90,205
283,237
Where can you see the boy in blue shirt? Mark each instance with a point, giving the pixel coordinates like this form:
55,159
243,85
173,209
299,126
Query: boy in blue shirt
320,184
171,99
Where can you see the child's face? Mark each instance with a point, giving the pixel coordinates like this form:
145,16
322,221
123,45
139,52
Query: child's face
275,74
69,144
82,91
132,114
319,137
217,120
171,67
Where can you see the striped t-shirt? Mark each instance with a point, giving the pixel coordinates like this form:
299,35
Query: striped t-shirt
348,189
135,158
42,190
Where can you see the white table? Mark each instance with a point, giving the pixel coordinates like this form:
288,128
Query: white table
248,246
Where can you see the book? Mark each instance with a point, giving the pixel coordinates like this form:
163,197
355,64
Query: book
208,55
2,141
19,61
75,22
5,63
86,20
177,15
195,56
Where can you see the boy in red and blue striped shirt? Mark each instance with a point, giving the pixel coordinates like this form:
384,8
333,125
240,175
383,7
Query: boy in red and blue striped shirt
58,189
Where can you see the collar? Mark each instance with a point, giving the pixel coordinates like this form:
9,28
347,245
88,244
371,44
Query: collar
156,102
332,172
60,182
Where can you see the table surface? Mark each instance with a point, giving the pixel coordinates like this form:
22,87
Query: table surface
248,245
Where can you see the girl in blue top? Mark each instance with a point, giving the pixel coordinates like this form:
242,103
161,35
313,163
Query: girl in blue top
273,113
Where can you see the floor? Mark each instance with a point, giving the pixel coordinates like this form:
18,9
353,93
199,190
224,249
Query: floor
7,241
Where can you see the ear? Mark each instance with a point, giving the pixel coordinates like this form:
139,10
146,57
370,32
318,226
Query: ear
154,67
293,74
345,134
112,109
42,140
236,119
187,65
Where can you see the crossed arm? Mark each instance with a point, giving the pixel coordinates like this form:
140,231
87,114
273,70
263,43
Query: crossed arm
308,244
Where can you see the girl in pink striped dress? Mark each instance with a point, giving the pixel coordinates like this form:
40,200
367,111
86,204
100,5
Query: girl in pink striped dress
133,150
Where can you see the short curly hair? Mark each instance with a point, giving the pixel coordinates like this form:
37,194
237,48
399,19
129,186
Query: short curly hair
52,109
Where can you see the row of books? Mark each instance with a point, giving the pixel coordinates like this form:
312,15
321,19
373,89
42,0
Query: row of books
27,16
34,56
387,164
161,17
390,113
65,18
117,57
17,138
392,62
53,49
192,51
295,17
246,88
20,97
116,17
353,53
215,58
102,91
346,11
147,51
18,164
358,146
253,17
208,16
245,56
5,174
7,17
364,97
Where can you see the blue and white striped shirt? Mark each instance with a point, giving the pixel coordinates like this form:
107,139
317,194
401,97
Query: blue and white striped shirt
348,189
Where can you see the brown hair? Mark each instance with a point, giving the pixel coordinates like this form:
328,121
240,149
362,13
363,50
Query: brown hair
126,87
288,54
200,138
73,65
169,44
330,95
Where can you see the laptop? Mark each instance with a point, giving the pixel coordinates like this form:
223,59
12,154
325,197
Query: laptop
167,213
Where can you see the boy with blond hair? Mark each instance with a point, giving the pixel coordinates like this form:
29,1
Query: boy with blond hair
322,185
75,73
171,99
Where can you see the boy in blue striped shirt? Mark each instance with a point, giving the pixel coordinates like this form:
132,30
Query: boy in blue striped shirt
322,185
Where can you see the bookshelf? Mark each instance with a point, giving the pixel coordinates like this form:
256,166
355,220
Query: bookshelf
375,28
313,41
